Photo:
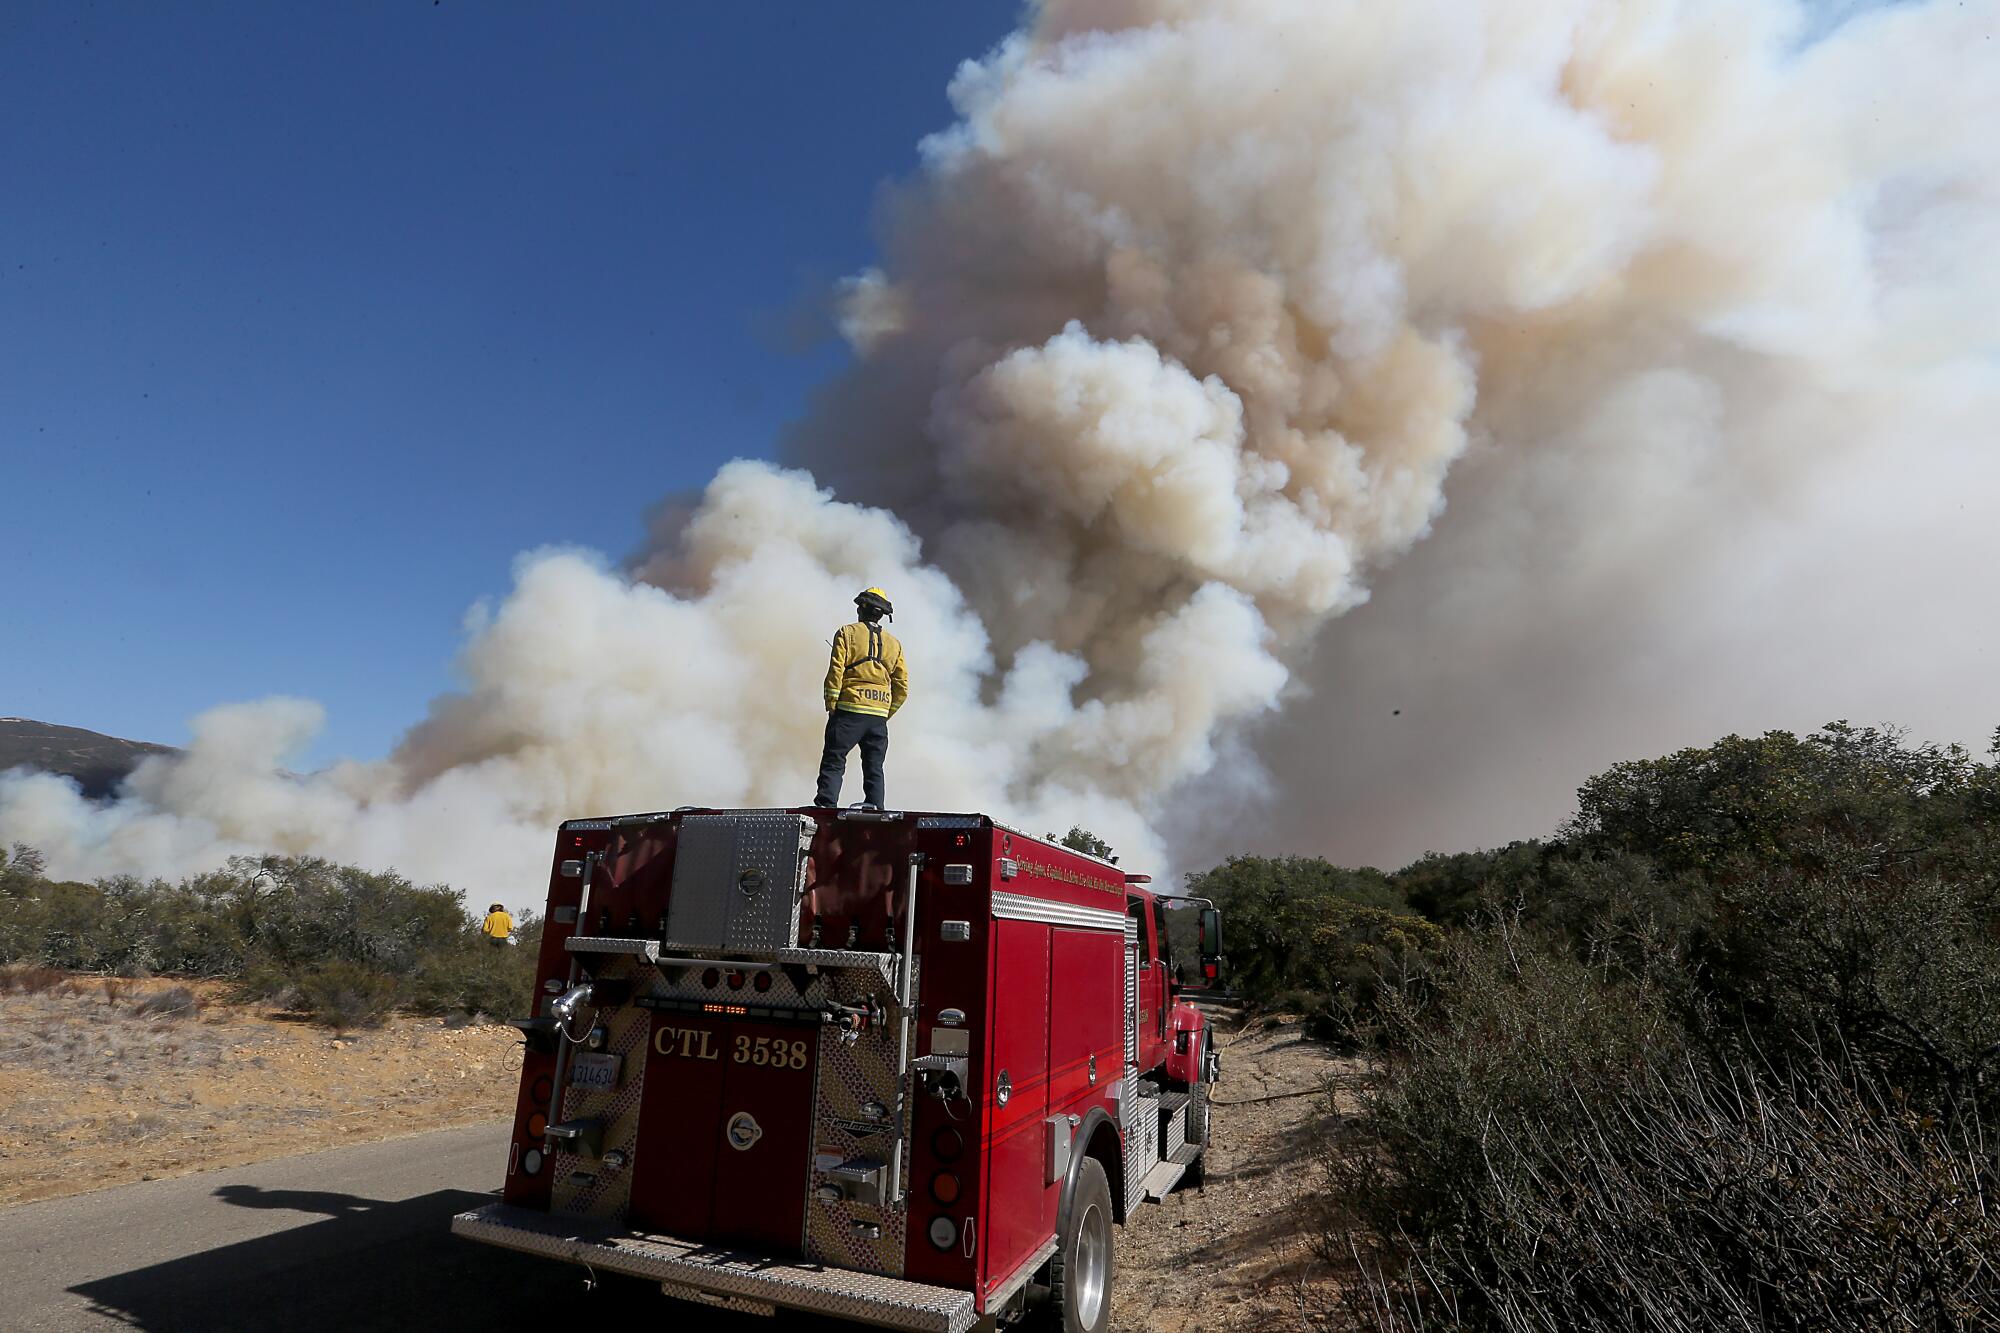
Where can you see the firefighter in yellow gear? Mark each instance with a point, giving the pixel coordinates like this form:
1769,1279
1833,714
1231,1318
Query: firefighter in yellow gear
866,682
498,925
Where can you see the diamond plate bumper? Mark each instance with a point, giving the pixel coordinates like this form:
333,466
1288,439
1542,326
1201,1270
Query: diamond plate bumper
746,1278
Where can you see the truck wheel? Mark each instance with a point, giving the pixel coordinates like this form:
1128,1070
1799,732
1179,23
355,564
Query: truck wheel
1196,1173
1080,1272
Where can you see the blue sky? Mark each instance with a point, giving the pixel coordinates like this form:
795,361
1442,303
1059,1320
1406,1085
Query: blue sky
312,317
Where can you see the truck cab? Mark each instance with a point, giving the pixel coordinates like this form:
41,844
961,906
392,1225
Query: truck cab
901,1068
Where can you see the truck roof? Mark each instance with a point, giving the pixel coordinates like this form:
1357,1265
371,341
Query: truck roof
924,818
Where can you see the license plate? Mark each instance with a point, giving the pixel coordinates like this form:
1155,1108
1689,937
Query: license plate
597,1072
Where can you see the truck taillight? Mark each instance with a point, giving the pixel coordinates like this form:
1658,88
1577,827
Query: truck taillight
944,1188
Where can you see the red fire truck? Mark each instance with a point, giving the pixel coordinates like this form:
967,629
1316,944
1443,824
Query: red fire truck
904,1069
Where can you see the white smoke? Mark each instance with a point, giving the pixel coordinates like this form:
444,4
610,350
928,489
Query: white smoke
1181,339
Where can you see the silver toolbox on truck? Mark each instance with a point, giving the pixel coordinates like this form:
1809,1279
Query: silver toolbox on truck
738,882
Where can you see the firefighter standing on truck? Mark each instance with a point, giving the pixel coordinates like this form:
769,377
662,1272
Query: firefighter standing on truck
866,682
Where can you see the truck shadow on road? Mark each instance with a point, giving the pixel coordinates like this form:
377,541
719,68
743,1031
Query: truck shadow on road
297,1201
372,1264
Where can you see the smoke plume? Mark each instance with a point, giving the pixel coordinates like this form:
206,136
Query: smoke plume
1182,338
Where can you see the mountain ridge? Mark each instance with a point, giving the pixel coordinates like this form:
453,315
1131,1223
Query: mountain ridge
95,761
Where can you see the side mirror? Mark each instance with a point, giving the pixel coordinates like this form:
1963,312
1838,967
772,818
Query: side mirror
1211,949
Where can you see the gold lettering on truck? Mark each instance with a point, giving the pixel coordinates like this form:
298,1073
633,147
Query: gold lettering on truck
692,1043
1063,875
699,1044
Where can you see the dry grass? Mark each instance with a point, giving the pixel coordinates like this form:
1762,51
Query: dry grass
1767,1202
175,1002
110,1080
34,979
64,1032
1554,1148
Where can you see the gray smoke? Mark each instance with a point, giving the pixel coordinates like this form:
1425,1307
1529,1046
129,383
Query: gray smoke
1633,356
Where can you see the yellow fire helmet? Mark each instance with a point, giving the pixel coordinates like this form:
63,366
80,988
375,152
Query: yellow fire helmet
874,599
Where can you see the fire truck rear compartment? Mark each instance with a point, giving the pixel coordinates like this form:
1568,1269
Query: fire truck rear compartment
743,1185
738,1116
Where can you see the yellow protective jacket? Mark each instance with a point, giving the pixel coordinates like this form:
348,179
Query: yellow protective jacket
498,924
867,673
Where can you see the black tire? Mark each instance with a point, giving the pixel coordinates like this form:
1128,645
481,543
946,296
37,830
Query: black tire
1080,1272
1196,1173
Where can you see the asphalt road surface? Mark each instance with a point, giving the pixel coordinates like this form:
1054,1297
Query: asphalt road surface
357,1238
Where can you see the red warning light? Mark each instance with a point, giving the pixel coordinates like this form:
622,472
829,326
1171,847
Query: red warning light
736,981
763,981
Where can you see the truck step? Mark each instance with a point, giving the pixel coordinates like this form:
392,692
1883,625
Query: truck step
1161,1180
736,1280
1171,1102
613,944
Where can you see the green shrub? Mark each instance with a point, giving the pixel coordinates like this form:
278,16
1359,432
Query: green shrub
1719,1056
1508,1027
1356,955
336,942
343,994
1455,889
1275,908
1900,972
1781,799
473,976
1781,1131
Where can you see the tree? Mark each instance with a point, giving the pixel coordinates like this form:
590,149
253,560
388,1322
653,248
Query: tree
1775,799
1276,909
1451,888
1080,839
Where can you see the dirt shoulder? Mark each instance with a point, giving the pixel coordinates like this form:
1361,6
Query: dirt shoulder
104,1082
1231,1254
107,1082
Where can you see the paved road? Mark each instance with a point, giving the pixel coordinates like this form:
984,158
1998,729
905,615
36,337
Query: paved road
357,1238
